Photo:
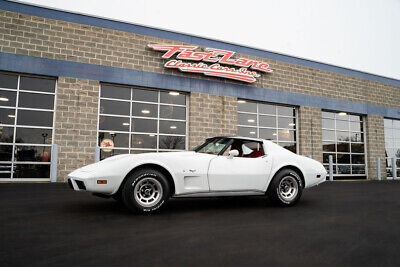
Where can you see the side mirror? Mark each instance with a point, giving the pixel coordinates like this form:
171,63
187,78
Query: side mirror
233,153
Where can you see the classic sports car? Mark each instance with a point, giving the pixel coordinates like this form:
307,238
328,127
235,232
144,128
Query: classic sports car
222,166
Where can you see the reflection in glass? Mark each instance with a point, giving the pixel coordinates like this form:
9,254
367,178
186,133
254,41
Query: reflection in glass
247,131
144,110
32,171
33,136
6,134
342,136
267,121
145,95
284,122
35,118
6,152
327,123
33,153
357,159
246,106
325,157
172,112
105,153
268,134
5,169
357,148
247,119
172,142
118,139
342,125
343,169
114,107
328,135
286,135
118,92
343,158
144,141
356,137
31,100
286,111
267,109
9,81
113,123
7,116
358,169
329,146
172,98
144,125
7,98
343,147
172,127
37,84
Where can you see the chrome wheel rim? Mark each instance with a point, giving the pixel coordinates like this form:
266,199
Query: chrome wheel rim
148,192
288,188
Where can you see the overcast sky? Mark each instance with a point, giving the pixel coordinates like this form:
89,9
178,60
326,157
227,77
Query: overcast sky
358,34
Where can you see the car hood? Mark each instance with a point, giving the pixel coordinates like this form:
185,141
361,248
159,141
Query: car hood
134,157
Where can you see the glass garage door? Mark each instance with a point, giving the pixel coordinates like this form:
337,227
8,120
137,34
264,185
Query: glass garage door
26,126
392,145
343,138
268,121
138,120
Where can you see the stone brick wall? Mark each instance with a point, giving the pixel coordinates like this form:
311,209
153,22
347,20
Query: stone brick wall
48,38
75,123
310,132
211,115
375,146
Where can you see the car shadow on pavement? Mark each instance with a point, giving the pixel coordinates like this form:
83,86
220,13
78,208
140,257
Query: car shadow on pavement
176,206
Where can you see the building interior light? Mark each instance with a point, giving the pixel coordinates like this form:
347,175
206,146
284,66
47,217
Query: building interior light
145,111
125,123
241,101
4,99
251,120
292,124
174,93
152,135
274,134
11,116
342,113
172,127
252,132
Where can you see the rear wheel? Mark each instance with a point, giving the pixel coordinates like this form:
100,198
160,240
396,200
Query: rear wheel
145,191
285,188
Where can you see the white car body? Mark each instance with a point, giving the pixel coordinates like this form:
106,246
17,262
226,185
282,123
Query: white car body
201,174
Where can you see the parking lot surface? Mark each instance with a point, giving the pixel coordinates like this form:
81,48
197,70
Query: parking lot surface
335,224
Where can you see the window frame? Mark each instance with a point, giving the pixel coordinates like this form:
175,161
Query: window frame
130,117
276,116
13,163
335,129
388,160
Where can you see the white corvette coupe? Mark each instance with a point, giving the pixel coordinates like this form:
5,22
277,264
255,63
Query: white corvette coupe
222,166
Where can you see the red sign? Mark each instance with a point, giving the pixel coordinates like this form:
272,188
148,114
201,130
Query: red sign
241,69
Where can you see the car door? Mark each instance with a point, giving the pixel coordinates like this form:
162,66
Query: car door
248,171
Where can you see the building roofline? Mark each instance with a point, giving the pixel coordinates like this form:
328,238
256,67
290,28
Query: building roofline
51,13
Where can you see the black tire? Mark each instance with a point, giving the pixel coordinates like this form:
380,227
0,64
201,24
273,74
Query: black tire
147,179
286,178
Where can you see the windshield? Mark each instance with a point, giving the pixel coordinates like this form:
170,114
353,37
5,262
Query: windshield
213,146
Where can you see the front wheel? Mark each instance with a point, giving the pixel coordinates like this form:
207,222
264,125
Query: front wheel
285,188
145,191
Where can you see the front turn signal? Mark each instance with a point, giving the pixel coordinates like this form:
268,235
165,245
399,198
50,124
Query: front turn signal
101,181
